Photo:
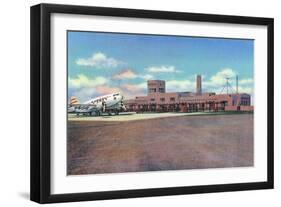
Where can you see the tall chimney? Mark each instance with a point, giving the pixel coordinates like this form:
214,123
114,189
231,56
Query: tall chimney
237,84
198,85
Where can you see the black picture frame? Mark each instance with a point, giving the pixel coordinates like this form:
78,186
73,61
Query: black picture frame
41,98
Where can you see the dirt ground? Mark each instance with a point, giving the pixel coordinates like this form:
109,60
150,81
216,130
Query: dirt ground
174,143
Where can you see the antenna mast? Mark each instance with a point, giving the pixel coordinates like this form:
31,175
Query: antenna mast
227,86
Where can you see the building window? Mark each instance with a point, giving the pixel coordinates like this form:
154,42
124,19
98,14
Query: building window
152,90
161,90
172,99
162,99
245,102
153,99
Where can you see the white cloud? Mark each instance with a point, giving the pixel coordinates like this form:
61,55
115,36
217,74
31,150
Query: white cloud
213,84
162,69
246,81
219,79
125,74
99,60
85,88
130,74
134,87
180,85
146,76
133,90
82,81
248,90
84,94
105,89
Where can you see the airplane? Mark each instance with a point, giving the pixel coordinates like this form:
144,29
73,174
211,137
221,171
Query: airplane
96,106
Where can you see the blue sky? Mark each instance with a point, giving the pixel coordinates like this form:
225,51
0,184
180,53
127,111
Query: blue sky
100,63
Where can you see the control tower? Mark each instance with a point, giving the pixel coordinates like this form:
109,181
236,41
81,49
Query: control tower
156,86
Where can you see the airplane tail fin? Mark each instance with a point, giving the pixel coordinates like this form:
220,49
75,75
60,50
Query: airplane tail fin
74,100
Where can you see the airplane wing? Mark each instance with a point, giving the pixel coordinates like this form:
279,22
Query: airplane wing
71,105
81,108
84,106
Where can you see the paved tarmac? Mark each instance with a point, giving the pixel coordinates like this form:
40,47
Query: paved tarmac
133,116
166,143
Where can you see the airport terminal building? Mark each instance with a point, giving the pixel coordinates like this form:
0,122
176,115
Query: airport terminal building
158,100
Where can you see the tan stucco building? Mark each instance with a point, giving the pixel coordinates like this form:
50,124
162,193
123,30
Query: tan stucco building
157,100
